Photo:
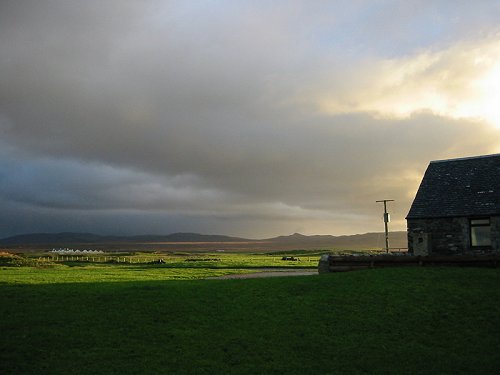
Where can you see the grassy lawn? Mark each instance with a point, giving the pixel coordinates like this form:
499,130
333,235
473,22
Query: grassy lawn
98,273
43,268
382,321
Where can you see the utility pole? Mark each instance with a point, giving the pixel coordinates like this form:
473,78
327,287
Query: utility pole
387,218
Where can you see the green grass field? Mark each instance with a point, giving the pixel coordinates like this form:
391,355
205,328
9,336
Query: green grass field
382,321
41,268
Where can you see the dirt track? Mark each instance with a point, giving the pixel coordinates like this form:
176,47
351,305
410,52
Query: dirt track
269,273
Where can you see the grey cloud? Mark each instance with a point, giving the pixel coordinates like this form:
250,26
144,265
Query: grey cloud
186,116
65,184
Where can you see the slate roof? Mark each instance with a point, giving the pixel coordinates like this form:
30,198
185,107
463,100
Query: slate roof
459,187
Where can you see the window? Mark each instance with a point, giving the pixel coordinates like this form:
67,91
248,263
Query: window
480,232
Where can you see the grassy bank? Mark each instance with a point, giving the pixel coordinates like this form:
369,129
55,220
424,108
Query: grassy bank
386,321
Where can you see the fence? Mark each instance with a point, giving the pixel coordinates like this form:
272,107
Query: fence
99,259
276,260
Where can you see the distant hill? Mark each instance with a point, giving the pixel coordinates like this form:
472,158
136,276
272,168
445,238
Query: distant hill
90,238
51,238
185,237
397,239
296,240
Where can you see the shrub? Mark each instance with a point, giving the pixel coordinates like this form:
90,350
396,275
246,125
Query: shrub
15,260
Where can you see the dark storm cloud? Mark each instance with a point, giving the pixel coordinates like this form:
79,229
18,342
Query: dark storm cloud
188,116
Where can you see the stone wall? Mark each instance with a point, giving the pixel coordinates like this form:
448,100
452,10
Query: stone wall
495,233
447,236
336,263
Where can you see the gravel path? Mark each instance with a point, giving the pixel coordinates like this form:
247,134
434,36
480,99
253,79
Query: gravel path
269,273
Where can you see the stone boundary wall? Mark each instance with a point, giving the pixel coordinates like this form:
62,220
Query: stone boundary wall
331,263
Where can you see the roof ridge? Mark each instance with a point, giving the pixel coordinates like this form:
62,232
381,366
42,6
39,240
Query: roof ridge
465,158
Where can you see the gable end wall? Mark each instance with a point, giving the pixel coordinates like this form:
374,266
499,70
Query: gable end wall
449,236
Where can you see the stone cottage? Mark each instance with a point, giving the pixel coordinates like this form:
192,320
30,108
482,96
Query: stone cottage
457,208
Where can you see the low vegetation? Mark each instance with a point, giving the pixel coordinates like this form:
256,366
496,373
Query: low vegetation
382,321
16,260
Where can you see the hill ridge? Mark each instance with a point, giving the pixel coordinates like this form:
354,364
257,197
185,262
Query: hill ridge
366,240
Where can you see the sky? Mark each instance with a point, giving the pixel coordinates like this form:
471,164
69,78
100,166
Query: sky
244,118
